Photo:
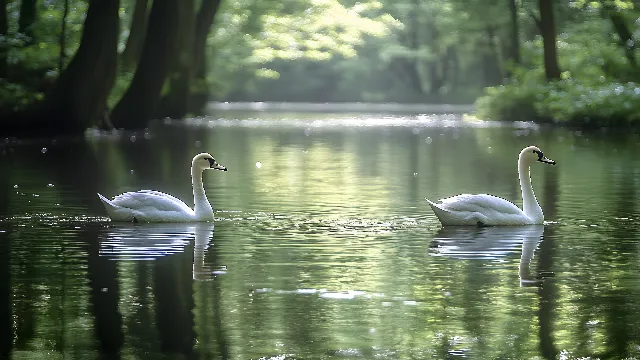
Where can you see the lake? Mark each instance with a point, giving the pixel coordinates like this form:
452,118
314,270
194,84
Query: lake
323,246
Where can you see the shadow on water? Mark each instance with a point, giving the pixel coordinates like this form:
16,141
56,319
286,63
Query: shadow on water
6,320
173,257
105,297
547,293
477,246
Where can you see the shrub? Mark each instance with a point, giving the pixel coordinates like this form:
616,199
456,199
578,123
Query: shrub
565,101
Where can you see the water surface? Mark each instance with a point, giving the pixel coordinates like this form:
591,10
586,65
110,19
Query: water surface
323,247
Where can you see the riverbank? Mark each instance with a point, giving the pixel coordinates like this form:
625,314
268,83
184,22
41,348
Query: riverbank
565,102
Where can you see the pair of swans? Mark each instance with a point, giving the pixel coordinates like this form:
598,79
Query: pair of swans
464,209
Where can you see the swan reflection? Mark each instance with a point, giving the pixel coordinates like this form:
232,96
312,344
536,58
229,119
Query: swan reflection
491,243
152,241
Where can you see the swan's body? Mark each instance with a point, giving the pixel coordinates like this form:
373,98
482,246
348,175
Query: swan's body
154,206
489,210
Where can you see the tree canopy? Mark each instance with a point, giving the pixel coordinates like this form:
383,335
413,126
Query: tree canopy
317,51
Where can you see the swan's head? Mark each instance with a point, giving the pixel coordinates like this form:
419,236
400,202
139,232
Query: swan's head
205,161
531,154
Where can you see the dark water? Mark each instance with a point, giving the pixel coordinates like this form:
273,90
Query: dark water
325,251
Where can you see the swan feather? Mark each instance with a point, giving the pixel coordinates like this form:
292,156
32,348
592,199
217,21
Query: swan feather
150,199
479,203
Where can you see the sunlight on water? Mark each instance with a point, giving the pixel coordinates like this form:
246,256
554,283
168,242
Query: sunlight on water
323,245
294,121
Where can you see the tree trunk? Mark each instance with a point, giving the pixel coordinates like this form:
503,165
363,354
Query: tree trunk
548,31
135,41
627,42
455,67
200,90
175,103
514,53
80,94
27,19
139,102
63,31
4,30
491,72
435,74
449,67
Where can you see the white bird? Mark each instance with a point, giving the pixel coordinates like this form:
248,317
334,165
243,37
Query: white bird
489,210
154,206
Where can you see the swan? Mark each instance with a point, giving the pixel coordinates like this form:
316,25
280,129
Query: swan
154,206
489,210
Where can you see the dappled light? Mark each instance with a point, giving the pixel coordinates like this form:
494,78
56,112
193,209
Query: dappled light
374,197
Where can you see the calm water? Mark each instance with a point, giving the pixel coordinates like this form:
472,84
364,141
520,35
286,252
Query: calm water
323,246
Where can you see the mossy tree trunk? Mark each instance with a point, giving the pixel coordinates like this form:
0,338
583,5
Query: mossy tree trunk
174,104
4,29
548,30
27,19
199,89
139,102
135,41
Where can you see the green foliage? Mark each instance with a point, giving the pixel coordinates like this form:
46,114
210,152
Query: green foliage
15,97
45,51
565,101
253,39
598,87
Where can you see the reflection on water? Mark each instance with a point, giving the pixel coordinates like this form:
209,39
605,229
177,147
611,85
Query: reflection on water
491,243
326,250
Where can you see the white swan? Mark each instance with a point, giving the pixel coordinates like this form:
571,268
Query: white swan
155,206
489,210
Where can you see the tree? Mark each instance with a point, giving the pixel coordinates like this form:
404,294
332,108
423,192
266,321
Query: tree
174,104
200,91
63,35
625,35
514,49
139,102
137,32
80,94
548,30
4,30
27,19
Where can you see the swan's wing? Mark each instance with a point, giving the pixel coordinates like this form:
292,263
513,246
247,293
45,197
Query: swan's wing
480,203
145,199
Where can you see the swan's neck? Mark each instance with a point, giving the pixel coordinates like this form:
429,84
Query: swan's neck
202,207
530,205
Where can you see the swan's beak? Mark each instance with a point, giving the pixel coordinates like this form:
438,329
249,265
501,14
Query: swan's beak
217,166
547,161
